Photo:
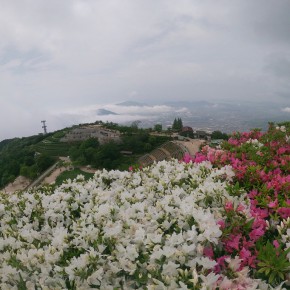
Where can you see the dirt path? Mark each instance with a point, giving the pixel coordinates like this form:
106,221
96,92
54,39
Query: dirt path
20,183
50,179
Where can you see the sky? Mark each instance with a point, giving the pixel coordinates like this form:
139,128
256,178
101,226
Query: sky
58,57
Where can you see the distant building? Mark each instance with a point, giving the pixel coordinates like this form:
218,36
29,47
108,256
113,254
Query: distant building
217,142
199,134
186,132
187,129
95,131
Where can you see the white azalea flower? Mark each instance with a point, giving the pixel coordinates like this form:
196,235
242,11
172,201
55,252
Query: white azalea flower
170,269
107,230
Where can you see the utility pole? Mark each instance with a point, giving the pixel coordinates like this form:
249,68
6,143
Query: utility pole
44,127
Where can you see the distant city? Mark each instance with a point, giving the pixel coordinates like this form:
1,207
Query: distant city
223,116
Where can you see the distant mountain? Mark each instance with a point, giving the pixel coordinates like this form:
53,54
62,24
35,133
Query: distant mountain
131,104
104,112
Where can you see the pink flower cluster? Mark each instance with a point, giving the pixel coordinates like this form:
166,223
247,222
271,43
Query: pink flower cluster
239,238
261,162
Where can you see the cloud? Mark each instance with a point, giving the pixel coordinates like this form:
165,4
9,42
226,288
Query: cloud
279,65
60,54
122,114
286,109
267,21
120,109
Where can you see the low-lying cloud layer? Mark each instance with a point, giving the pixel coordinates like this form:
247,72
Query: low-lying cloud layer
119,113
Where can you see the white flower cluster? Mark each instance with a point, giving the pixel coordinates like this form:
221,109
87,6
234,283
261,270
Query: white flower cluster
255,143
281,128
284,231
119,230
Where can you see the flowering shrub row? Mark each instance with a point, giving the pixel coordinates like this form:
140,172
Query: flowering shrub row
221,222
261,165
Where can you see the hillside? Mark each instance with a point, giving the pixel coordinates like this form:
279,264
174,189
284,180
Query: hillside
218,220
30,156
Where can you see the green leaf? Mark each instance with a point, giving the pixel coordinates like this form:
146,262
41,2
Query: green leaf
281,275
267,271
272,277
262,270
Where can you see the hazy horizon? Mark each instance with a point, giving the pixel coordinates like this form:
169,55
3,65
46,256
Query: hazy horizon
225,116
58,59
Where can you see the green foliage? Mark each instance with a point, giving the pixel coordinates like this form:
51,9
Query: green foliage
219,135
53,147
29,171
158,127
285,124
16,157
177,124
187,134
43,162
72,174
109,155
90,143
59,134
30,156
274,264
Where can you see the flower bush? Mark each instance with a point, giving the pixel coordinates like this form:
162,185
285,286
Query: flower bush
261,165
218,221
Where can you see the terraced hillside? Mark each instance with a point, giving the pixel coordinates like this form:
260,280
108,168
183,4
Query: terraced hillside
53,147
165,152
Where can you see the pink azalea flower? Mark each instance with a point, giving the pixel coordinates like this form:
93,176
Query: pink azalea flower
240,207
284,212
222,224
273,204
259,222
253,193
245,254
229,206
199,158
220,264
281,150
208,252
233,242
276,244
256,234
234,142
187,158
258,212
252,261
247,244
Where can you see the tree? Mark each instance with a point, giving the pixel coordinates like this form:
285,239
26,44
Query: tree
219,135
158,128
43,162
107,155
177,124
90,143
29,171
135,125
